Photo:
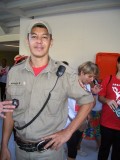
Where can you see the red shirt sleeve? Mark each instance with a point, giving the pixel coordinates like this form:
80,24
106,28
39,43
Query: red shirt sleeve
104,84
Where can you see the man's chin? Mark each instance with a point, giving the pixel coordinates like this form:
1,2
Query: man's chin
39,55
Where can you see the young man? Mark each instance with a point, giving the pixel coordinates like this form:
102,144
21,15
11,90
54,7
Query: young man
40,82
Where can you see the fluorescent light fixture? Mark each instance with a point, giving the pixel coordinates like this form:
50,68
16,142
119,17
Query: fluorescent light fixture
8,45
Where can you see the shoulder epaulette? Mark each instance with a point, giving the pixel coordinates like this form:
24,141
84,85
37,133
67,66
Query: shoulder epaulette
19,59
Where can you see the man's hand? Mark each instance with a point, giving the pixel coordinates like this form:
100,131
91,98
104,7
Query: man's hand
6,106
5,154
57,139
60,137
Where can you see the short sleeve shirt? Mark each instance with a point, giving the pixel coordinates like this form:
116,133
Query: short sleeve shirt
32,92
110,90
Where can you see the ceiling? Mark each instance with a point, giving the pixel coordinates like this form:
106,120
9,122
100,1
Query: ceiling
12,10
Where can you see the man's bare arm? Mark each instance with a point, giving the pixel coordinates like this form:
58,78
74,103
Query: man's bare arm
8,124
81,116
60,137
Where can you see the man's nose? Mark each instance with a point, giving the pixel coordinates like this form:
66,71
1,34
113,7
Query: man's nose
39,40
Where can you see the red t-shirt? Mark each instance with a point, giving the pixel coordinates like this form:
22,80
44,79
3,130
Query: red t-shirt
110,91
39,69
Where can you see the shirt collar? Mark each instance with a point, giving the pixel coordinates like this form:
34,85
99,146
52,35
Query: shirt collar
51,67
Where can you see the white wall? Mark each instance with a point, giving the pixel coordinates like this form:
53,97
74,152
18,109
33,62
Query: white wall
78,37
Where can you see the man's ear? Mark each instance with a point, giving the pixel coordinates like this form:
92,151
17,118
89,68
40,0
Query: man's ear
27,42
51,44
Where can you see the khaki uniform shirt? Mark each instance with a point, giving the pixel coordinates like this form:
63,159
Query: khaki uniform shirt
32,92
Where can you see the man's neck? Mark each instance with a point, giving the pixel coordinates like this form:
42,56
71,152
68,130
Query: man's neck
38,62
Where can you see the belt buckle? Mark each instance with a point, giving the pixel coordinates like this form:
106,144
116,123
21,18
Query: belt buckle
40,146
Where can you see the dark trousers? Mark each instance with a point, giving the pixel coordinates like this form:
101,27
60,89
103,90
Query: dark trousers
109,138
73,143
2,87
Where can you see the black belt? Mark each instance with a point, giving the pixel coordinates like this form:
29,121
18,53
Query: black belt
31,146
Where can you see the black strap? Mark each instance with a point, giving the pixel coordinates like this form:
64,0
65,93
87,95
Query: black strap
59,73
26,125
20,128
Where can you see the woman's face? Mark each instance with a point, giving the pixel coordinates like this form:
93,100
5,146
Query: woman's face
86,78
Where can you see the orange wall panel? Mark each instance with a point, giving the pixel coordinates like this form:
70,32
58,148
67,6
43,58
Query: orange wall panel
106,63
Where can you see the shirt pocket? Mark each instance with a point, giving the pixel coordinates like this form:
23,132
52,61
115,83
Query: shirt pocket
16,92
53,105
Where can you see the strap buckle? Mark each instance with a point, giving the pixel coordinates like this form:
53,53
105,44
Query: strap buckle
40,146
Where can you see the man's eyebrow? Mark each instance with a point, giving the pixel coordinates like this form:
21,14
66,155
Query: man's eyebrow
33,33
42,34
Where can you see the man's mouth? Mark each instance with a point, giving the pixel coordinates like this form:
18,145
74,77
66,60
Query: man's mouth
39,48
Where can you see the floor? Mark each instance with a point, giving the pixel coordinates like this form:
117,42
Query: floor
89,146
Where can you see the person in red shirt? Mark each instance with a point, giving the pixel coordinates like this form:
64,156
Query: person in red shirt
110,121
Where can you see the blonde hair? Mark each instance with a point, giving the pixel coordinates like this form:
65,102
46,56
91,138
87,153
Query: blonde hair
88,68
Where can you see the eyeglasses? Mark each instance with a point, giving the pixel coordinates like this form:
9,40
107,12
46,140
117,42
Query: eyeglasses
34,37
